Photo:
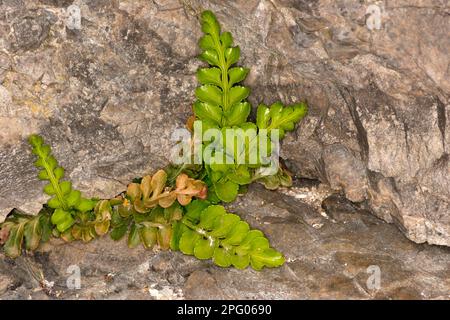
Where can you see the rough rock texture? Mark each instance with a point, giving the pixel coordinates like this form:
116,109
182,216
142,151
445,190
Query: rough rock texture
109,94
338,258
378,124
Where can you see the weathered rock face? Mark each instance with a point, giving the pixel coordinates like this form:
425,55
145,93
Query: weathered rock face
109,92
353,256
107,96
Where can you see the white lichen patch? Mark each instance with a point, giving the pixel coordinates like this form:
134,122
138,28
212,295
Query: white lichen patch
166,293
143,267
313,195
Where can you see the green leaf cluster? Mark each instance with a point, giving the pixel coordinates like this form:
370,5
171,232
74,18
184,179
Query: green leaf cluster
25,231
221,104
66,201
280,117
210,232
220,99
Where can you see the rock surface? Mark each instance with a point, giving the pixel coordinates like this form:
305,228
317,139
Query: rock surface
353,256
109,92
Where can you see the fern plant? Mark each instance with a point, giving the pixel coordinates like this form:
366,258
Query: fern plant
176,208
221,104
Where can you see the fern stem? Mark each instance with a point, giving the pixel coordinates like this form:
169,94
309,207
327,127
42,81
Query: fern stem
224,78
55,184
153,224
200,231
179,170
203,233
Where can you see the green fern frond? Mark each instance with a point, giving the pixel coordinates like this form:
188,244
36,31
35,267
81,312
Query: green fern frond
220,98
221,104
210,232
64,199
280,117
